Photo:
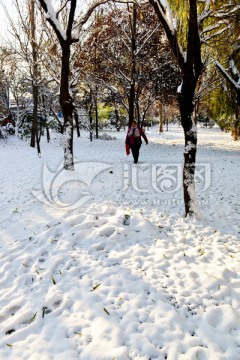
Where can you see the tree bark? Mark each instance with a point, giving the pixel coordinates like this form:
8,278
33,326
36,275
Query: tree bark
91,117
190,135
160,117
67,108
96,116
118,123
76,118
131,100
34,129
35,73
48,133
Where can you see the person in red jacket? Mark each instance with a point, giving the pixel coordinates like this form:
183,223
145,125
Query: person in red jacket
134,141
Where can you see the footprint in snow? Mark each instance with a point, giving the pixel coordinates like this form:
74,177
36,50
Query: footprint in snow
43,257
56,238
29,281
44,253
108,231
215,317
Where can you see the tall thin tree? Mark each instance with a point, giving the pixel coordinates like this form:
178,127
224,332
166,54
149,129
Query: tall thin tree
66,38
186,35
35,77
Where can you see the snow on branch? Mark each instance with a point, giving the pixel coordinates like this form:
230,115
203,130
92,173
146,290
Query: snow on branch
234,69
206,12
148,37
217,33
62,7
164,14
91,9
165,10
52,18
218,20
227,76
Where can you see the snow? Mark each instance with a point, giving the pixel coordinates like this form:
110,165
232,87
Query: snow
165,10
52,14
124,275
179,89
226,75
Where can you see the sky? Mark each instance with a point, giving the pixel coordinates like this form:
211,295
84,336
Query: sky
4,23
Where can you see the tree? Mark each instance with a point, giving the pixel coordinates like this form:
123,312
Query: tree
13,82
67,37
35,74
27,47
232,76
5,69
130,79
194,25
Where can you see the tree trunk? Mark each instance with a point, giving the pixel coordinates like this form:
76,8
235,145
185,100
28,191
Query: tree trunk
117,114
160,117
46,116
190,135
91,117
35,74
96,116
237,121
133,65
76,118
138,112
48,133
59,122
17,120
38,138
236,126
67,108
196,108
131,102
34,130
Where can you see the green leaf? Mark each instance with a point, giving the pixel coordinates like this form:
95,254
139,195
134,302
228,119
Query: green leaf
33,318
9,345
106,311
95,287
53,280
43,311
77,333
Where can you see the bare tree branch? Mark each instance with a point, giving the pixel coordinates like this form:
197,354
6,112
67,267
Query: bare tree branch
227,76
171,35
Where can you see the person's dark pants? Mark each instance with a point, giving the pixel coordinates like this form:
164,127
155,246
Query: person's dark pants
135,152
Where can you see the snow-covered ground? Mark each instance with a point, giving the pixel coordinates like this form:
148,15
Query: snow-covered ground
100,264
